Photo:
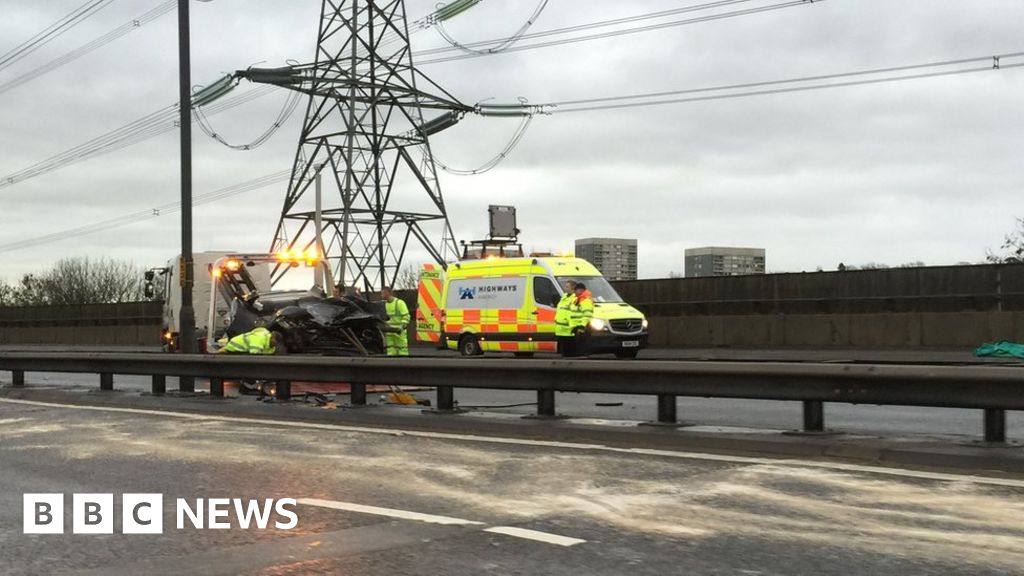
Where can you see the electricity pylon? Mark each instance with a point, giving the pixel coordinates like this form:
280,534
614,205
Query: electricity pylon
363,134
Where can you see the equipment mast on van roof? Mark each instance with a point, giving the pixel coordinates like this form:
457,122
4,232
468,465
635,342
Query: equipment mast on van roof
502,240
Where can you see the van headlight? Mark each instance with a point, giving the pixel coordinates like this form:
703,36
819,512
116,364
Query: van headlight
597,324
644,324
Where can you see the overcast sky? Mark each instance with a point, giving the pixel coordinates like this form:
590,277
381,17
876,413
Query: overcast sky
924,170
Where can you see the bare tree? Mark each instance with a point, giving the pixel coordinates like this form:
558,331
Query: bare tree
408,278
7,294
79,281
1013,247
29,291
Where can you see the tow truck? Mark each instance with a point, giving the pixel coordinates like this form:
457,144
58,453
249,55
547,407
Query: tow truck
231,275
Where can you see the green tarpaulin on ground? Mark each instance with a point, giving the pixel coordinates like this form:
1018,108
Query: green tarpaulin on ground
1001,349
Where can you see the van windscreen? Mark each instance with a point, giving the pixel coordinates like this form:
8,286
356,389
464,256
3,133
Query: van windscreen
600,289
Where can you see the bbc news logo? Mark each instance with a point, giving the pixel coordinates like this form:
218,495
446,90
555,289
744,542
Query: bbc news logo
144,514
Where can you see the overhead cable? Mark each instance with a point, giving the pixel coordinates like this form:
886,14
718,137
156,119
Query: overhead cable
804,83
88,47
500,46
46,35
153,124
583,27
626,31
169,208
290,104
524,110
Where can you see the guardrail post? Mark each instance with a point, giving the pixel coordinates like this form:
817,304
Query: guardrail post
445,398
186,384
667,408
106,381
814,416
545,402
18,378
159,384
216,387
995,425
358,394
284,389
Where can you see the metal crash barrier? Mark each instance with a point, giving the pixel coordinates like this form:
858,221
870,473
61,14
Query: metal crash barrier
992,389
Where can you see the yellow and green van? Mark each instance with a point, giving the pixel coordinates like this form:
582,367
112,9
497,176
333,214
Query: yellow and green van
508,305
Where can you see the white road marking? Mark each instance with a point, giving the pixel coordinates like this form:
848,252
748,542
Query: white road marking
512,531
389,512
536,535
941,476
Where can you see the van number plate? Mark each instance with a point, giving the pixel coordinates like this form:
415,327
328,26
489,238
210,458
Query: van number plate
631,344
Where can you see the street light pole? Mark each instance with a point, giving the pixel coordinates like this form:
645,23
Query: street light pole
187,319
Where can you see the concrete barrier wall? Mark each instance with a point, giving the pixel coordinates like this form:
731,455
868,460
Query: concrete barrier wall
940,307
896,290
915,330
948,306
128,324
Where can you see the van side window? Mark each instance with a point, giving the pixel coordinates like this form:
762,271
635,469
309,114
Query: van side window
545,292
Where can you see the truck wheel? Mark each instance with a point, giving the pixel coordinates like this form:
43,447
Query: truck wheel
627,354
470,346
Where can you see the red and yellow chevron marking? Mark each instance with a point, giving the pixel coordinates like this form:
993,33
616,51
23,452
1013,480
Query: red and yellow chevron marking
428,311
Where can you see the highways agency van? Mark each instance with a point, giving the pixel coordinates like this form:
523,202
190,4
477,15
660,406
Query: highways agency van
508,305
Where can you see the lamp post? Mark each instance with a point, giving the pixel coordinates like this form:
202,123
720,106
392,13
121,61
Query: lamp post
186,316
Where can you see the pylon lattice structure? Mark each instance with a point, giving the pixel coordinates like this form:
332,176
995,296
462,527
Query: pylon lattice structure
363,126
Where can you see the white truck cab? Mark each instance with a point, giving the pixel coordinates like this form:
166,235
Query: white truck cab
203,263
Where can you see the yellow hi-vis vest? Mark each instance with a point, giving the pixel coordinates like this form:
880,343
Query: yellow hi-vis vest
563,315
256,341
398,313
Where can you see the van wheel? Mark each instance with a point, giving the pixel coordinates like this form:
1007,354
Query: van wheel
627,354
523,354
469,345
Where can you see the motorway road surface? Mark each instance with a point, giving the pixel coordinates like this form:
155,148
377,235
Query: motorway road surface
401,502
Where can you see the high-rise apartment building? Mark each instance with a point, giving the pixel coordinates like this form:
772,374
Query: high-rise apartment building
614,257
723,261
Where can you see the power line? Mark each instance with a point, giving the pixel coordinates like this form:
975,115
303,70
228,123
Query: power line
291,103
497,159
227,192
153,124
635,30
389,36
65,23
993,63
497,47
580,27
88,47
527,111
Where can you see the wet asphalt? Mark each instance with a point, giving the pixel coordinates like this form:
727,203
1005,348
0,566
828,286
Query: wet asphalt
626,512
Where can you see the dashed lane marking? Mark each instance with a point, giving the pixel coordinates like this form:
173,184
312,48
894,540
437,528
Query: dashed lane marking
523,533
389,512
536,535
